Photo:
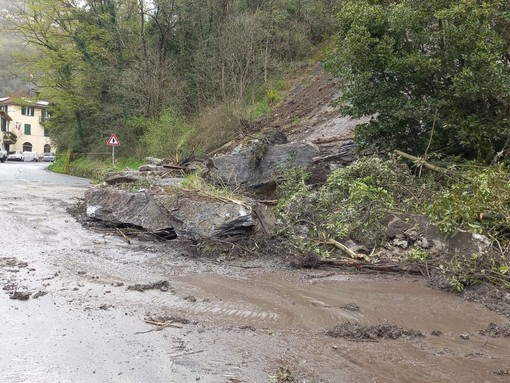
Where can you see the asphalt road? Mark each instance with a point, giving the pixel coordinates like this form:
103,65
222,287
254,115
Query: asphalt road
13,173
71,333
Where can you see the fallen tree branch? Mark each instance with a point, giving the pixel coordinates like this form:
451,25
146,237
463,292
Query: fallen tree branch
124,236
381,267
174,167
421,162
339,137
271,202
163,324
494,216
224,146
346,250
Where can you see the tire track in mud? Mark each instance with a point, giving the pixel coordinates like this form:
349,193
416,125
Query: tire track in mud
261,302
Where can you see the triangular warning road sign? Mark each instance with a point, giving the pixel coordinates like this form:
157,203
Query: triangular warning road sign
113,141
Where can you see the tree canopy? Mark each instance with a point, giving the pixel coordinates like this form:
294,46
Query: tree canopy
105,64
433,75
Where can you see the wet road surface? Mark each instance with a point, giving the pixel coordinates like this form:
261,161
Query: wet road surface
232,322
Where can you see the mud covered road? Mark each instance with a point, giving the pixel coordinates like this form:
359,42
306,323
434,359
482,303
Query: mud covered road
89,309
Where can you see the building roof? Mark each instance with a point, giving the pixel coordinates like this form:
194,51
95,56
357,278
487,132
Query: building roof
26,97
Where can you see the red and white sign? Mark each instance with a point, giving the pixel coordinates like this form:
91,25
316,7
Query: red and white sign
113,140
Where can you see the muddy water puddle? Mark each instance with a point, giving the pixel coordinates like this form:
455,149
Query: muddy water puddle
243,320
294,306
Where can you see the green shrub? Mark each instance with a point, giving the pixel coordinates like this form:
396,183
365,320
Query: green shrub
217,125
166,137
353,203
266,99
478,190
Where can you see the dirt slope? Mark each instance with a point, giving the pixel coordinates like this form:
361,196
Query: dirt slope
307,112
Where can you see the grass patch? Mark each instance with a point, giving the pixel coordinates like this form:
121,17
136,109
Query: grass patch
266,99
92,168
195,184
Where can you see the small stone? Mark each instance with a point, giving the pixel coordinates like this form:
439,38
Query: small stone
40,293
464,336
350,307
400,243
190,298
20,295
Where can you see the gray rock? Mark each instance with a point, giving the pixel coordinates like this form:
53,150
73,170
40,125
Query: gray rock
150,168
423,243
406,230
122,177
262,163
415,230
187,214
168,182
467,243
154,161
400,242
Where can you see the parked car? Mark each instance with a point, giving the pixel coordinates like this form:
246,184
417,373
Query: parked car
48,157
30,156
3,155
15,155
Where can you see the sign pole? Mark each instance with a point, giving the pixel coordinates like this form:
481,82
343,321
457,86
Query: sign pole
113,141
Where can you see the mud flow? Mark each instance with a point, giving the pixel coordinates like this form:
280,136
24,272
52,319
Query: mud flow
99,309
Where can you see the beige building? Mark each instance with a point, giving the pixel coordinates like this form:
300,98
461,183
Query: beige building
21,126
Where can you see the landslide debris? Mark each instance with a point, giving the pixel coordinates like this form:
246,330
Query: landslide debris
333,209
160,285
360,332
494,331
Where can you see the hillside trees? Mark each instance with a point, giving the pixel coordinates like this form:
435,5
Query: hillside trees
77,64
435,70
122,65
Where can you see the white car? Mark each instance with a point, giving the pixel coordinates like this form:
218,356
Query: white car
48,157
30,156
15,155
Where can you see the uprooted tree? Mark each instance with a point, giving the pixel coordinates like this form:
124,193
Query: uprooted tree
435,71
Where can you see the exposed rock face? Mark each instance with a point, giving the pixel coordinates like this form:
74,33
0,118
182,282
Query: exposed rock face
187,214
262,163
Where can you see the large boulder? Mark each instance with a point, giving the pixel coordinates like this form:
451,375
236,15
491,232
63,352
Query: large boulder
187,214
262,163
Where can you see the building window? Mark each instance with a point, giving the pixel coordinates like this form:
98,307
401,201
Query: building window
27,111
3,124
47,148
27,147
28,129
46,132
44,115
